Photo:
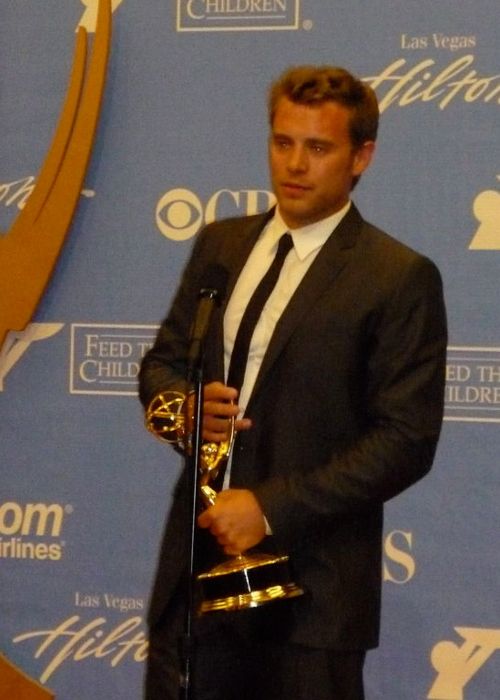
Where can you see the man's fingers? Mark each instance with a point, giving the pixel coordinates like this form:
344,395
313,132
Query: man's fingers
211,436
218,408
242,424
216,391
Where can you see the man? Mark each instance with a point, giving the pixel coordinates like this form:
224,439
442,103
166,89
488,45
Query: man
339,410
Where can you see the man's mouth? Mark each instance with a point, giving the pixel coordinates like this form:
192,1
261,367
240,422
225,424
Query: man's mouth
294,187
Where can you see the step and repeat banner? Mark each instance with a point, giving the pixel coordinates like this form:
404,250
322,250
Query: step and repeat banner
181,141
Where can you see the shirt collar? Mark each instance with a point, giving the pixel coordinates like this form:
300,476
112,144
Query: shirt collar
311,237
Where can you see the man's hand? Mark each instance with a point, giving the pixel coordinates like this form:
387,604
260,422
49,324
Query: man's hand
218,409
236,520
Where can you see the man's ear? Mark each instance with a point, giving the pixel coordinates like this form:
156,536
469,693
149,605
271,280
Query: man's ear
363,157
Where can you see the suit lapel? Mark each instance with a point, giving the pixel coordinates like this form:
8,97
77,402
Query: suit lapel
240,247
335,254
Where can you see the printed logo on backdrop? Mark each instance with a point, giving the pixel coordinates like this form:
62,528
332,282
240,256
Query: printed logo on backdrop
105,359
32,531
180,212
399,563
486,209
472,392
406,82
426,82
106,628
17,192
457,663
236,15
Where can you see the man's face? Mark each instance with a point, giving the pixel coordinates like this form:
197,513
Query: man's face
312,160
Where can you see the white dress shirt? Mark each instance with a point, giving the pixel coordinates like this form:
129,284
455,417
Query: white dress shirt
307,242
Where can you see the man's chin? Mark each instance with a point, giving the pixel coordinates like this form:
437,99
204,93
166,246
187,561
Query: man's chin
295,216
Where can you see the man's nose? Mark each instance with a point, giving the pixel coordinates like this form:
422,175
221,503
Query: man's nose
297,161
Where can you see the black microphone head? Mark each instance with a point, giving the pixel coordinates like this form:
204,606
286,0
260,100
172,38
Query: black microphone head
214,279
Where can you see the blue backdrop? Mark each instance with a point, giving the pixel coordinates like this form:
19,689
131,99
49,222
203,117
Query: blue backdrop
181,141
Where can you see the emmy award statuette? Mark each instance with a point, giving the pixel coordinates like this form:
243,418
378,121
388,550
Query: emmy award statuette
241,582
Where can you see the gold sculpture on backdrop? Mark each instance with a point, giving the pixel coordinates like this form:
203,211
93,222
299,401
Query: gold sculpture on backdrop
30,249
241,582
15,684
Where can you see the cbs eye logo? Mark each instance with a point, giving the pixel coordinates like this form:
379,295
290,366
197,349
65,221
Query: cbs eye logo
180,213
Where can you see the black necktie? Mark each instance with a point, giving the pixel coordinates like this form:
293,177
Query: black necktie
252,313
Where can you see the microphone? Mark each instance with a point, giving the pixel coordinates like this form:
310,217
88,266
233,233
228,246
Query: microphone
211,294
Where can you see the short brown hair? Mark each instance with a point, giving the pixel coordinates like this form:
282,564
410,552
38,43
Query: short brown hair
312,85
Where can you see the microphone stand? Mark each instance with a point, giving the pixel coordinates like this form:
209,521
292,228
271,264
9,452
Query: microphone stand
209,296
192,460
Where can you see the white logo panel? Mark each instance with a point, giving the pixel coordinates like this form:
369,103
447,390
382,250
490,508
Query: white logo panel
472,391
237,15
105,358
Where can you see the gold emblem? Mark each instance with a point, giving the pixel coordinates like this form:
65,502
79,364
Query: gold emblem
16,684
30,249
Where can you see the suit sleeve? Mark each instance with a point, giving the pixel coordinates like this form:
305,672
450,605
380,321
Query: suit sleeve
164,366
405,374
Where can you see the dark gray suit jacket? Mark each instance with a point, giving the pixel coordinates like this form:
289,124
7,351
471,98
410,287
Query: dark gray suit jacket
346,413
